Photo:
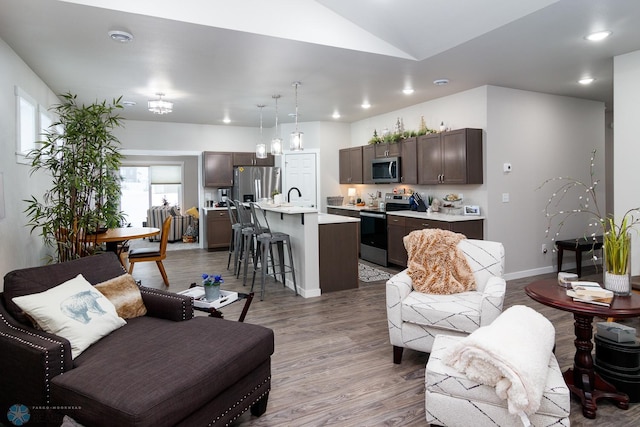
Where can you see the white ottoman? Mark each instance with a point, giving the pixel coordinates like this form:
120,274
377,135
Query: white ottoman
451,399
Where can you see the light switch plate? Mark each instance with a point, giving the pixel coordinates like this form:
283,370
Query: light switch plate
505,197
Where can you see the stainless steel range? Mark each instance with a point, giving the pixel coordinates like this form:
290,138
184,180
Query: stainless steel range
373,228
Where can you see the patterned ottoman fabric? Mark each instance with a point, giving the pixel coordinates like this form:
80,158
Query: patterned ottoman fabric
452,399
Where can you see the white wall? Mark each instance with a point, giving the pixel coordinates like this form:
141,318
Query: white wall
542,136
18,248
626,93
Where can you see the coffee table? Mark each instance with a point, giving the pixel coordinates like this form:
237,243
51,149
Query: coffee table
582,379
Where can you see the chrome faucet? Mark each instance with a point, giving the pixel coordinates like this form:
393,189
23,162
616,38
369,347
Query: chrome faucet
289,193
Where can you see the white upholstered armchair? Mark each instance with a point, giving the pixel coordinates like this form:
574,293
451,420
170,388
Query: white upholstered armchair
415,318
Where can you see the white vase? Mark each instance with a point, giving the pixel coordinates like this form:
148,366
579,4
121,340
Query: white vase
211,292
620,284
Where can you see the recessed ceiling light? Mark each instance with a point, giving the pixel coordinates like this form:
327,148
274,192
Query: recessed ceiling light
441,82
407,91
365,105
597,36
120,36
586,81
128,103
336,115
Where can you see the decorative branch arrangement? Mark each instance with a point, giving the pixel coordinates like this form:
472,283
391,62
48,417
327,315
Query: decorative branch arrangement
587,203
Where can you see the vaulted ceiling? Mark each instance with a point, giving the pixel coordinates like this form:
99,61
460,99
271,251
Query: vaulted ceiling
217,59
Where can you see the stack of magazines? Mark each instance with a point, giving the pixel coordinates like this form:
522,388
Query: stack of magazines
590,292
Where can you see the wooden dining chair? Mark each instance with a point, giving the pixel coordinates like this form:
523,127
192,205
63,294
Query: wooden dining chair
151,254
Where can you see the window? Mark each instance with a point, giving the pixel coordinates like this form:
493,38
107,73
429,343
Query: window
25,125
145,186
166,184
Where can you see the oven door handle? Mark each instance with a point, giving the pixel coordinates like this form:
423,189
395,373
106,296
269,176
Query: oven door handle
373,215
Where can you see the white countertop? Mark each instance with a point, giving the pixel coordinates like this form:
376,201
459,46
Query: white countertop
324,218
354,207
289,209
435,216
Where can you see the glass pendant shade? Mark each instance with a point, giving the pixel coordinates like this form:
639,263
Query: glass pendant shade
261,151
261,147
276,146
276,142
295,143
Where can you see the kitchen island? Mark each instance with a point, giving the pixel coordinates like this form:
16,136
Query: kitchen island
322,258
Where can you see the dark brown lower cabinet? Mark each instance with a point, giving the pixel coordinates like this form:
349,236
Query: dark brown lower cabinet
218,229
338,247
396,253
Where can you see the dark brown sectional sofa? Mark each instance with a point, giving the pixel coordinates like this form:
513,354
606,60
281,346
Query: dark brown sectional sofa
162,369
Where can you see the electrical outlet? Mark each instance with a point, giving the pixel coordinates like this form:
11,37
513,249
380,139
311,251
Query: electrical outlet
544,248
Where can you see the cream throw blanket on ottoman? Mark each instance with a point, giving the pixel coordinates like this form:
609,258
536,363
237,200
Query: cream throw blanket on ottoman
511,354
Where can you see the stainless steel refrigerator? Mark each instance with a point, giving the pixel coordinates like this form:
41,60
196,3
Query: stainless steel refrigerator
254,183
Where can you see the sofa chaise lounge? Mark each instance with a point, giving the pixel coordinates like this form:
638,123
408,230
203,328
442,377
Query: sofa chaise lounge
161,369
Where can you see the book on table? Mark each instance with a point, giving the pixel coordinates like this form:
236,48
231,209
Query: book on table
590,292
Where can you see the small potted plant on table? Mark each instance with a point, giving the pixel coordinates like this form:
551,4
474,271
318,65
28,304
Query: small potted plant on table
211,286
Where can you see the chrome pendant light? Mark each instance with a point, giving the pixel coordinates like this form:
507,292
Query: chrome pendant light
276,142
261,147
296,137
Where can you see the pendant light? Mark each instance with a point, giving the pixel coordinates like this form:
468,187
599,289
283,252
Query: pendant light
276,142
261,147
296,137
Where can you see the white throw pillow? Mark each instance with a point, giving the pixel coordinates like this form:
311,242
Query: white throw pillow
74,310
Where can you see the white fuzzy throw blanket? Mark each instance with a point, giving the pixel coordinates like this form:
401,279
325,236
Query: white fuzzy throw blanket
511,354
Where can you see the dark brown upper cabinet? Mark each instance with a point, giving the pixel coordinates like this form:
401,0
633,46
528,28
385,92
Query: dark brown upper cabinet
453,157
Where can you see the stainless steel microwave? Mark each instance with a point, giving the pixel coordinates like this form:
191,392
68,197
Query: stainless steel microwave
385,170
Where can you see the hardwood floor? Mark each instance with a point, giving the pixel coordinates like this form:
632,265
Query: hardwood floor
333,361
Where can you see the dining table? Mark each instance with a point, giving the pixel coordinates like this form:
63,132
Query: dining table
113,237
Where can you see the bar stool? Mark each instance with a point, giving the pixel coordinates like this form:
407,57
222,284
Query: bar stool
241,242
236,228
265,241
250,245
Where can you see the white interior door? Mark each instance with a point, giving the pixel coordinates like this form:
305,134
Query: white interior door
300,172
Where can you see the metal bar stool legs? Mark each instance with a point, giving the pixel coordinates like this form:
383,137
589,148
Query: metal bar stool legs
279,239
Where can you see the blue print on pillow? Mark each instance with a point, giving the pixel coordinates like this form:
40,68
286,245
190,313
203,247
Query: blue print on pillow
79,306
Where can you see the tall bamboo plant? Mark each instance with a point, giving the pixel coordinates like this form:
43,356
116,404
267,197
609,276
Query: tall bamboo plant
82,156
